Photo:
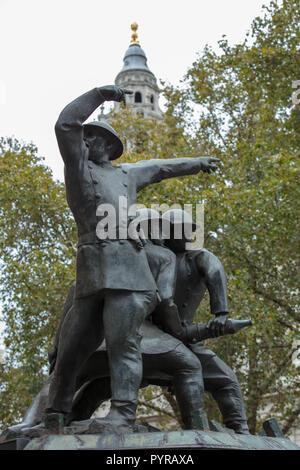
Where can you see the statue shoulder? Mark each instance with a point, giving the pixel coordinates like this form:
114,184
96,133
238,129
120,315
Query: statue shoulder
194,258
194,255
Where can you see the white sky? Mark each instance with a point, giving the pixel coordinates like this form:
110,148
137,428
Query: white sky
52,51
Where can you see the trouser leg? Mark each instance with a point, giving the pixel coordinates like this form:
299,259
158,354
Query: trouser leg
222,383
189,389
180,364
185,368
231,405
187,381
123,315
81,334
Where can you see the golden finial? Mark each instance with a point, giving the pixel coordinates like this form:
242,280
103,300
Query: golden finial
134,36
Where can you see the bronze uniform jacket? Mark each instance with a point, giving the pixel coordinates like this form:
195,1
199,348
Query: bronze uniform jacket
189,292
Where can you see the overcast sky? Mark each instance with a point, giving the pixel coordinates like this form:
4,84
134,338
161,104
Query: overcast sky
52,51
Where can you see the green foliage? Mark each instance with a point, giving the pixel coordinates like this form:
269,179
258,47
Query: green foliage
37,256
243,113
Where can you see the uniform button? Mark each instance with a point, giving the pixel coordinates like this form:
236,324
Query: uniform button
184,304
95,181
122,242
98,195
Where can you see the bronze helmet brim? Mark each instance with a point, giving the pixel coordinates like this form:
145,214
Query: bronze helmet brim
105,130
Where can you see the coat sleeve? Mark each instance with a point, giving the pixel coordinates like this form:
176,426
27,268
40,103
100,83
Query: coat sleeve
69,129
153,171
212,272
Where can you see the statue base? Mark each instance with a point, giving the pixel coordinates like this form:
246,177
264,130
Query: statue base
94,435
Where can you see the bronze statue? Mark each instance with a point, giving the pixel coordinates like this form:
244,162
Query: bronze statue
115,289
166,360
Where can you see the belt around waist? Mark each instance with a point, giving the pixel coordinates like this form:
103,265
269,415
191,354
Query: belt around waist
86,238
91,238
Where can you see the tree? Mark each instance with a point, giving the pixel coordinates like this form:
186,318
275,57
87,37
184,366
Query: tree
37,248
237,105
243,113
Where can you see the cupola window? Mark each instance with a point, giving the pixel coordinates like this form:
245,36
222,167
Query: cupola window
137,97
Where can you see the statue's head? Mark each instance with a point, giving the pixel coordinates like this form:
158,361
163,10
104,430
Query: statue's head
102,140
174,228
178,228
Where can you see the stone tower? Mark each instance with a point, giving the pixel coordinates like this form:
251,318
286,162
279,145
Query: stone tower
136,76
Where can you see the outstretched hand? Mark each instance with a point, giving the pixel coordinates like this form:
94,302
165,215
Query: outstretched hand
114,93
208,164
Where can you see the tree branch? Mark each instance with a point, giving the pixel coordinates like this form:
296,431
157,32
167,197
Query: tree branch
285,362
156,408
281,304
266,295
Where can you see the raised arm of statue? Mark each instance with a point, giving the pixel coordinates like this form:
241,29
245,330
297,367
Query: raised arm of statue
69,126
154,171
69,129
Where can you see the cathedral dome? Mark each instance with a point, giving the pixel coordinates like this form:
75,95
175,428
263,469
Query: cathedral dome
135,59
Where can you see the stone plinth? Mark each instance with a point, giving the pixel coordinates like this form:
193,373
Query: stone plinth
95,435
161,440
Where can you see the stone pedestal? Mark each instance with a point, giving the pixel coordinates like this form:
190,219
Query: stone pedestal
94,435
